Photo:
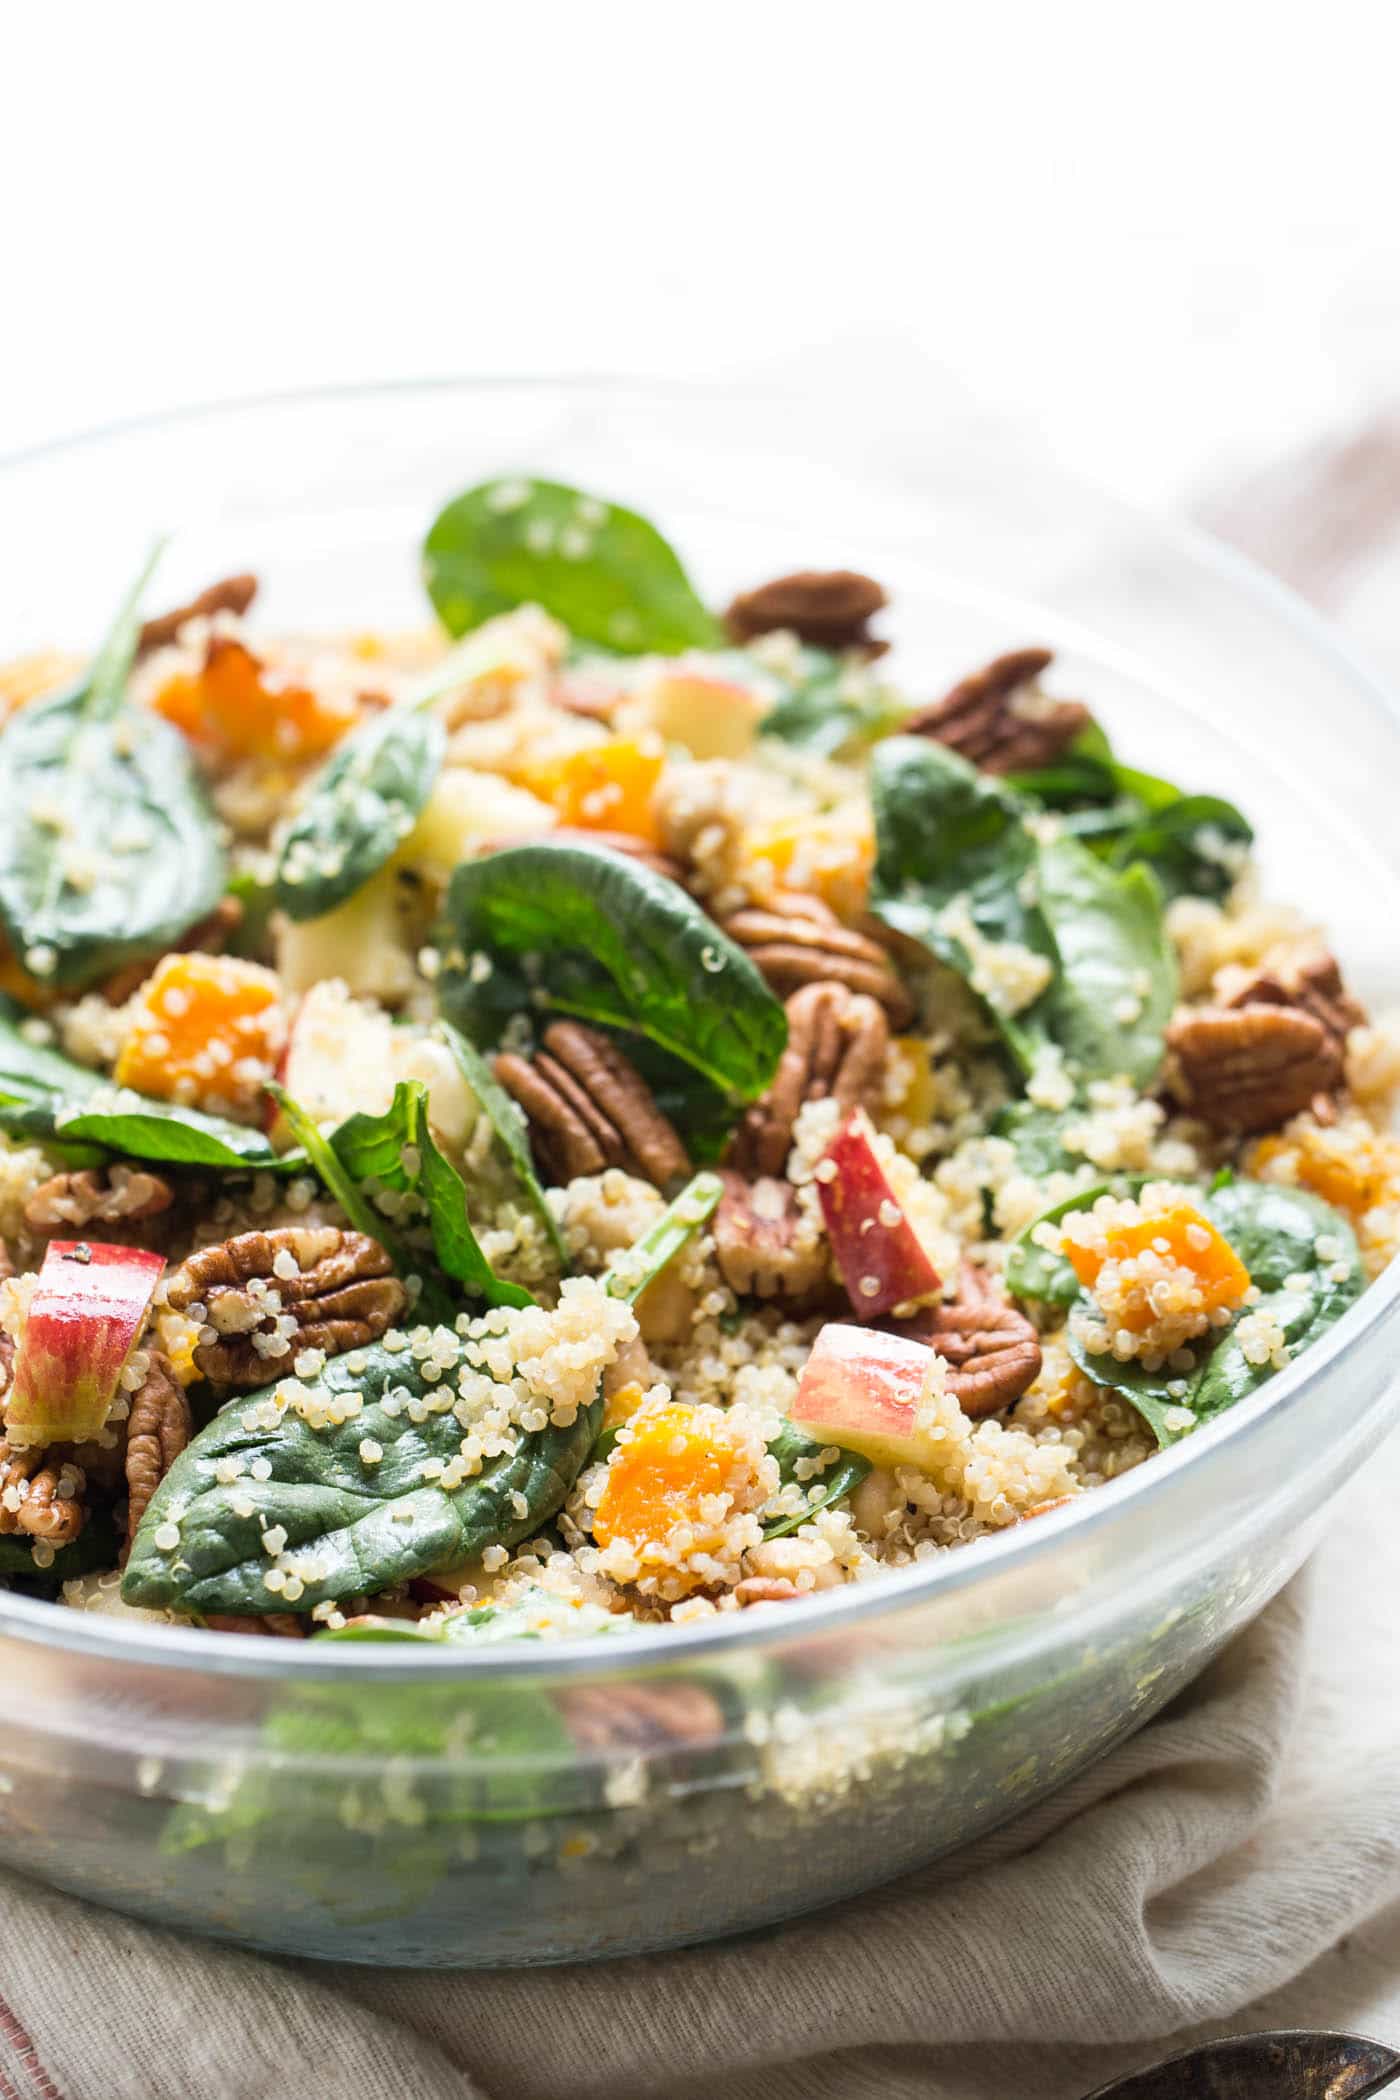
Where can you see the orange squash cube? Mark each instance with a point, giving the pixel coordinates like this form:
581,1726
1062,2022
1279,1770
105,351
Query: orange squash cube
206,1029
1350,1172
821,856
661,1477
243,710
1180,1234
604,787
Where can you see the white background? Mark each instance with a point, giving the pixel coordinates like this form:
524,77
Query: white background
1164,236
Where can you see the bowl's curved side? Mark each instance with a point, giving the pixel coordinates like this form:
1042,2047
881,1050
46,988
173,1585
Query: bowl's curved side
387,1806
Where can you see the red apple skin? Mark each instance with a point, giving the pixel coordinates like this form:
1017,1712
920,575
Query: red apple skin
88,1308
881,1265
861,1389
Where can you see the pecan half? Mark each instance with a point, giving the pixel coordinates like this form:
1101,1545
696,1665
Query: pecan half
762,1242
157,1431
991,1349
829,608
795,940
1312,983
590,1109
617,1716
1252,1067
30,1498
267,1295
233,594
994,718
111,1195
836,1048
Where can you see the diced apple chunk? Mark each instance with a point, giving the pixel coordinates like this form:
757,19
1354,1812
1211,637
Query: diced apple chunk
89,1305
712,717
467,808
864,1390
364,941
345,1055
881,1258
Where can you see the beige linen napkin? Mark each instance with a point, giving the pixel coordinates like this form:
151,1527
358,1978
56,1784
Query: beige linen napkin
1221,1854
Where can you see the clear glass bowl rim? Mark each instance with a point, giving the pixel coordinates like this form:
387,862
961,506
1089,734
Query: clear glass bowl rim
191,1648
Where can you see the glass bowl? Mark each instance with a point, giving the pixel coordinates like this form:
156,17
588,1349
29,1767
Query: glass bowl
662,1786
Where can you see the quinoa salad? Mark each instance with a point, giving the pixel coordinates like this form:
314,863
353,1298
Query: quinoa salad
605,1111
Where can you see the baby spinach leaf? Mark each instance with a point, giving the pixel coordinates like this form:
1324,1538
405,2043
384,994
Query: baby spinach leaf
510,1128
1038,1136
603,571
599,936
1275,1231
396,1151
1033,1271
1115,987
360,1522
947,835
824,709
823,1489
360,809
45,1095
636,1270
1196,845
96,1546
354,1521
109,849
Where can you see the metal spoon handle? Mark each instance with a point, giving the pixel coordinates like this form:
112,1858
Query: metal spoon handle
1385,2083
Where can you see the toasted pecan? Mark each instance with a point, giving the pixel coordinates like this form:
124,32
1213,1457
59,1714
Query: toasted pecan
992,1350
1250,1068
589,1108
836,1049
997,718
157,1431
765,1589
829,608
115,1194
795,940
1312,983
762,1245
30,1498
340,1294
641,1716
233,594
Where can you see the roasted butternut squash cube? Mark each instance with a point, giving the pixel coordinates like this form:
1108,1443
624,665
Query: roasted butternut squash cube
604,787
242,709
1180,1234
206,1029
660,1477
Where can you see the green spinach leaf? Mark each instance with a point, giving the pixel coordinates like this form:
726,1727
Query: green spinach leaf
1033,1271
96,1546
603,571
823,1489
109,850
357,1500
45,1095
596,935
948,836
826,709
360,809
511,1130
396,1151
1275,1231
1115,986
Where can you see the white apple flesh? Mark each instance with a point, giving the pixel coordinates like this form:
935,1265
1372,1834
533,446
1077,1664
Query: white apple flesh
89,1306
